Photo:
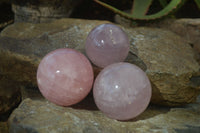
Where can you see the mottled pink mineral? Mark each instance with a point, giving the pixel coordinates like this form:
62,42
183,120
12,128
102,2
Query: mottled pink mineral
122,91
107,44
65,76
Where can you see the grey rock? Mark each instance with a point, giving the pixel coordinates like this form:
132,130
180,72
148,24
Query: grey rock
34,116
167,59
42,10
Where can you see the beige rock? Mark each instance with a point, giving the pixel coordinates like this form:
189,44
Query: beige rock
170,64
167,59
187,28
44,117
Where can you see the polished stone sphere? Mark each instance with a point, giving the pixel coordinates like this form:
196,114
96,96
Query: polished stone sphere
107,44
122,91
65,76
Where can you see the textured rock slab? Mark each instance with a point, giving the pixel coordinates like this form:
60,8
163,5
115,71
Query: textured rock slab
187,28
42,10
36,40
10,97
167,59
43,117
170,65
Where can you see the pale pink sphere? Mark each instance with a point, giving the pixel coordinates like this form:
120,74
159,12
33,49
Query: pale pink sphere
65,76
107,44
122,91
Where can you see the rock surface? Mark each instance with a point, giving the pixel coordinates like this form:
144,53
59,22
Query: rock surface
170,65
34,116
189,29
167,59
42,10
10,97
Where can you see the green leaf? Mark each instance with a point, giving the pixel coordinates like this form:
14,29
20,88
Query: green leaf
172,5
114,9
198,3
140,7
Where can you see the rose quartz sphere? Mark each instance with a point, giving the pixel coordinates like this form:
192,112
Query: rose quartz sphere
65,76
122,91
107,44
